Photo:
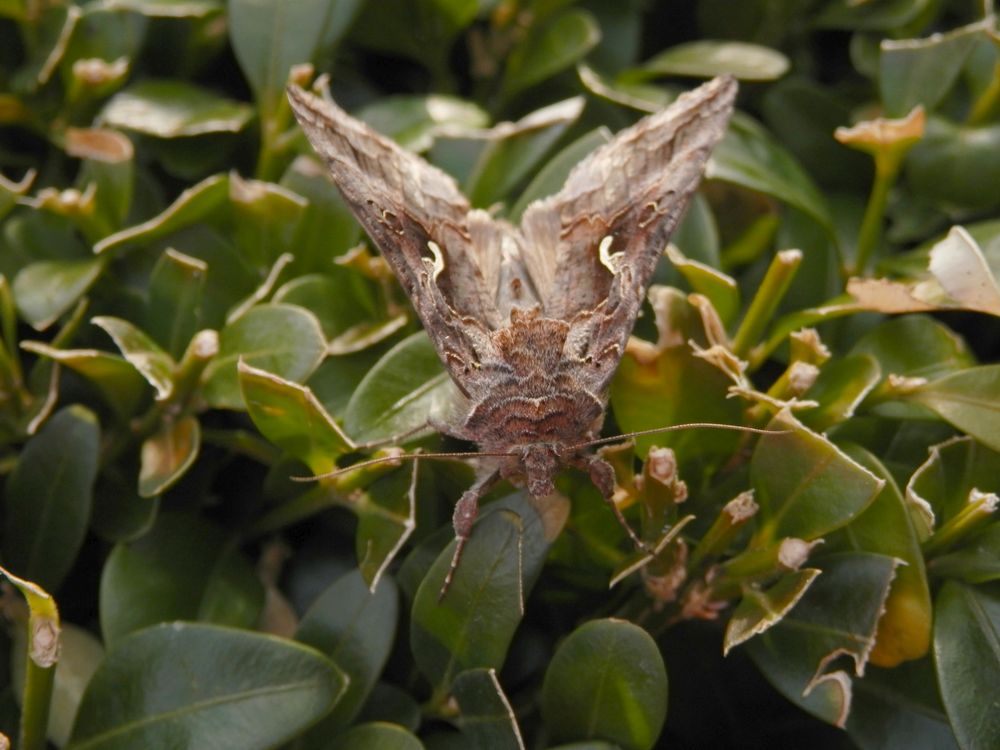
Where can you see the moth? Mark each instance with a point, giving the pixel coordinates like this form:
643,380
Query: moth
530,322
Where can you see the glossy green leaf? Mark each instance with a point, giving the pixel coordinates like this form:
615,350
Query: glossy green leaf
386,513
119,514
270,36
391,704
108,168
749,157
376,736
952,471
144,354
48,497
355,629
414,122
282,339
192,206
290,416
167,454
551,177
118,382
473,624
806,487
706,58
510,157
643,97
551,48
721,290
837,616
885,527
905,699
761,609
486,718
921,71
956,165
399,393
174,109
346,304
967,655
47,289
968,399
176,294
207,685
915,346
841,386
184,569
169,8
606,681
265,219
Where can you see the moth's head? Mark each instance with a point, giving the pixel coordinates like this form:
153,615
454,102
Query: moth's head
540,463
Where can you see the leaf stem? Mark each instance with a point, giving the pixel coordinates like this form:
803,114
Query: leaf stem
870,234
765,302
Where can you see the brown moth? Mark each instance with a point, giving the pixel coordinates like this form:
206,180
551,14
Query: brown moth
531,321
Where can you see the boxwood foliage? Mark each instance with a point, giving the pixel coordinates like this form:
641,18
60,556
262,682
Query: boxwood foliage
189,317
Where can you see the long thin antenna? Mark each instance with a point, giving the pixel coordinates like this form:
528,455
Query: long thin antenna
676,428
391,459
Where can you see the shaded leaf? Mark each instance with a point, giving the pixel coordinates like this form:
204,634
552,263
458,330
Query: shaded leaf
550,48
167,454
486,718
47,289
760,609
176,292
144,354
707,58
355,628
377,736
968,399
48,497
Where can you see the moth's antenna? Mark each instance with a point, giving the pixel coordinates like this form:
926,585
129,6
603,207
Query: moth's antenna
391,459
676,428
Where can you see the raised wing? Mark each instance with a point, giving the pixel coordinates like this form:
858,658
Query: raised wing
591,248
448,258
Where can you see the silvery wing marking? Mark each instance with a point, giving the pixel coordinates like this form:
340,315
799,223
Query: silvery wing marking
531,322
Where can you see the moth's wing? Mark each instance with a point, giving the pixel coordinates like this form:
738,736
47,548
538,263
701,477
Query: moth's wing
634,190
443,254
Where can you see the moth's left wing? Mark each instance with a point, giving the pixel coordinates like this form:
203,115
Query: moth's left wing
591,248
446,256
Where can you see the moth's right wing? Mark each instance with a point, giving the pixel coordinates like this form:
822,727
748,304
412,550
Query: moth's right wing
446,256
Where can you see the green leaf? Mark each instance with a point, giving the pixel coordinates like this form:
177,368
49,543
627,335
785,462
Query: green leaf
282,339
884,527
967,655
270,36
422,30
550,48
108,167
167,454
386,513
48,497
968,399
749,157
176,292
473,624
806,487
849,14
414,122
343,300
377,736
46,289
956,165
119,514
399,392
721,290
707,58
174,109
915,346
486,718
354,628
184,569
551,177
265,219
290,416
210,686
510,157
837,616
640,96
976,561
921,71
761,609
144,354
192,206
606,681
168,8
118,382
841,386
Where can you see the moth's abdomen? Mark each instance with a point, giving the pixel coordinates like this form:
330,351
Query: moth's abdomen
510,419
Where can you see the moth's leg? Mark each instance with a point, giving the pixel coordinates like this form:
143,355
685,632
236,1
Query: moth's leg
466,510
602,474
